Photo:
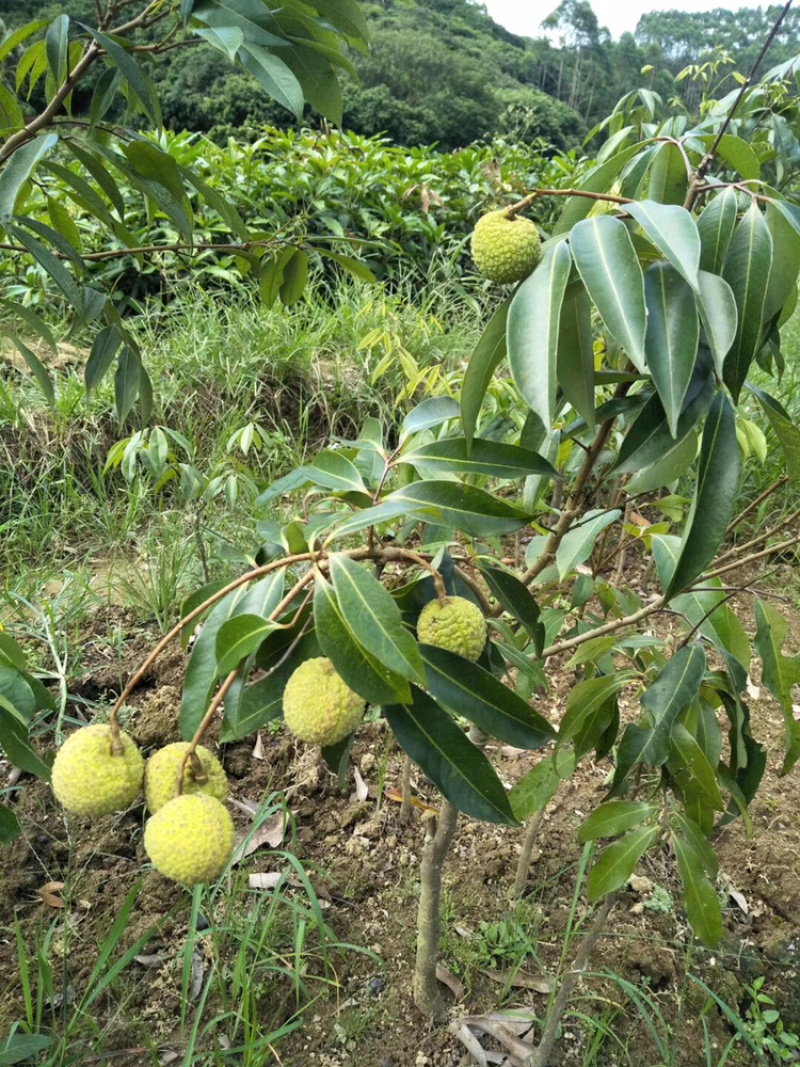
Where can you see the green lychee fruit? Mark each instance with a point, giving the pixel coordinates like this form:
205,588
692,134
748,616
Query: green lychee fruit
505,250
318,707
190,839
88,779
163,767
453,623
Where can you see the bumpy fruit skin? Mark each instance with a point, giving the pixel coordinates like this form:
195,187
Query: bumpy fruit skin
505,250
89,780
161,775
455,624
190,839
318,707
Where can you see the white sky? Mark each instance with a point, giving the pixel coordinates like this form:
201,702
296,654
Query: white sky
618,16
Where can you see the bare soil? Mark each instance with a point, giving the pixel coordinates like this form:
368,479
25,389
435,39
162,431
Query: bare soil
364,864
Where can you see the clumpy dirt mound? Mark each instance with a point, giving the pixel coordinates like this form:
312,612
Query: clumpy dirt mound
66,879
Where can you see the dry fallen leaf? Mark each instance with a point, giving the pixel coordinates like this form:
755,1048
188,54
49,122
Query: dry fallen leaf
362,791
453,984
49,892
396,795
271,832
258,748
267,880
155,960
519,980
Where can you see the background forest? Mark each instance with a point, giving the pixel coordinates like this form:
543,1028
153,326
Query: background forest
443,71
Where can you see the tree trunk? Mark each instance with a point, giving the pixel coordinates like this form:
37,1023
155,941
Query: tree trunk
437,844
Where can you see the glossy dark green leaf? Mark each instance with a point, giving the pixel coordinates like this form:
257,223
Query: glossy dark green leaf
597,180
467,690
274,76
715,225
352,265
687,762
295,277
331,470
364,674
9,830
779,673
373,617
708,610
785,263
785,430
590,708
699,842
517,600
617,861
614,818
126,381
16,746
240,637
19,168
141,86
575,356
194,600
667,470
719,316
11,652
431,412
714,502
37,368
488,354
338,758
700,897
56,42
104,348
457,768
737,153
668,175
532,331
578,544
50,262
472,511
650,440
492,458
536,789
673,334
607,263
747,269
674,233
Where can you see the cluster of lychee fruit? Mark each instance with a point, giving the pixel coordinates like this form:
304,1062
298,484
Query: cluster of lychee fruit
189,837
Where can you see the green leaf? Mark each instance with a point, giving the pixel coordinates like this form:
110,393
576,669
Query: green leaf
688,763
614,818
785,265
374,619
141,86
19,168
54,267
673,334
787,433
532,331
333,471
227,39
738,154
668,175
126,381
457,768
607,263
493,458
715,225
16,746
536,789
353,266
650,440
489,352
430,413
699,842
274,76
667,470
470,510
578,544
718,314
19,1047
467,690
364,674
238,638
295,276
700,897
590,709
11,652
575,356
596,180
9,830
517,600
11,117
37,368
104,348
747,269
56,43
779,673
708,610
714,500
616,862
674,233
15,37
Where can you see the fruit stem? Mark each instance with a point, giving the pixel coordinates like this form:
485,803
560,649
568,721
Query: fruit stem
117,748
219,696
521,205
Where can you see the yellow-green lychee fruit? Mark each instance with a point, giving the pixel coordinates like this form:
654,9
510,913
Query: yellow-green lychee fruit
88,779
162,769
453,623
505,250
190,839
318,707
